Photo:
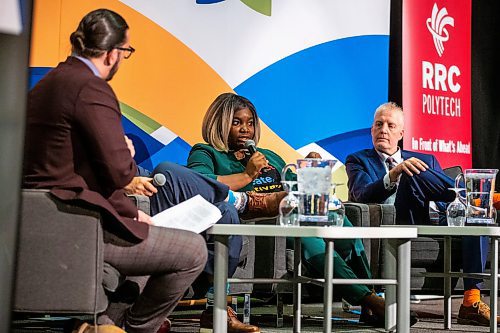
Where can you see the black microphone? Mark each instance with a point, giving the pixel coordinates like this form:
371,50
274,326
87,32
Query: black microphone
159,179
250,145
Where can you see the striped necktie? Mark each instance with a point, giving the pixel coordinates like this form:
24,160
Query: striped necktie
391,163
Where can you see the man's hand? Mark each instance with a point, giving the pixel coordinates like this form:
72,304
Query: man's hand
144,218
410,166
256,163
130,146
142,186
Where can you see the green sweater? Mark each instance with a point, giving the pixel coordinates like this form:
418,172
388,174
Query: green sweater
210,162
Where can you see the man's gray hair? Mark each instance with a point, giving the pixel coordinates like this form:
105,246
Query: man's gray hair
388,106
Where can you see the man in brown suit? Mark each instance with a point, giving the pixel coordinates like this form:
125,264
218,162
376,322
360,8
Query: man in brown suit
75,147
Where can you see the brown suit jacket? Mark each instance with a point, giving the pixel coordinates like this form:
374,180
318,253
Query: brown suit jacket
75,145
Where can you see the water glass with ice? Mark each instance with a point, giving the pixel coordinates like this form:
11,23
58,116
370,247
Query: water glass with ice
314,183
479,186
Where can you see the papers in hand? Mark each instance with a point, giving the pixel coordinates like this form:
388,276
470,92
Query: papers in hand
195,214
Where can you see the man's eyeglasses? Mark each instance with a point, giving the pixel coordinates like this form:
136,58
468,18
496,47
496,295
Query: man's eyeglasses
128,51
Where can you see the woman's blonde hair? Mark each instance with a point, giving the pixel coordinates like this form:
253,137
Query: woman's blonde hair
219,119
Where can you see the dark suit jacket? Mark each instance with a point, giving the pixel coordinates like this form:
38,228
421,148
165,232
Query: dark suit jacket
75,145
366,174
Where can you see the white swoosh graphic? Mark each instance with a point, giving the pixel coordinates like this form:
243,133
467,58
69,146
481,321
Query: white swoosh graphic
237,42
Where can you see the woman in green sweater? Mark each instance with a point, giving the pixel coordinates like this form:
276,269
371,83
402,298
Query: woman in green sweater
230,121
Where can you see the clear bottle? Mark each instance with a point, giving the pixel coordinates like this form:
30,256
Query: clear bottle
456,211
336,209
289,206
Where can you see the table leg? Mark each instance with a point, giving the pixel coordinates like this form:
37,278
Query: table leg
220,283
297,291
447,282
403,287
494,286
328,287
389,272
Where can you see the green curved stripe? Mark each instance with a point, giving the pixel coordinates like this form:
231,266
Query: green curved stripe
260,6
145,123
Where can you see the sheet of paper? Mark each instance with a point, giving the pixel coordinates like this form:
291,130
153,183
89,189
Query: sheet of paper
195,214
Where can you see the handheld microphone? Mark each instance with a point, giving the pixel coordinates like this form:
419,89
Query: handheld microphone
159,179
250,145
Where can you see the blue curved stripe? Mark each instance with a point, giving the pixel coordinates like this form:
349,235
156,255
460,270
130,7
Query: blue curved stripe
145,145
176,151
36,74
149,152
323,91
344,144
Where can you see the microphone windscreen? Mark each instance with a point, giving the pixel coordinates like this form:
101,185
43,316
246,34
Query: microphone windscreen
159,179
250,145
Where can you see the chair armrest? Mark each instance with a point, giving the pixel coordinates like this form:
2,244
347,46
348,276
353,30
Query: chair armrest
359,216
357,213
59,258
382,214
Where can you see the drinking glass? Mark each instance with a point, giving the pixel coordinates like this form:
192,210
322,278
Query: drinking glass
336,209
456,211
480,185
313,186
289,206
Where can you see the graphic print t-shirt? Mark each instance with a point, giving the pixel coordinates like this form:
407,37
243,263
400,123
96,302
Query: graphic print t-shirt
269,179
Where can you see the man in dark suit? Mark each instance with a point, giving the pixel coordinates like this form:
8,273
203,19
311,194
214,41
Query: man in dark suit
75,147
410,181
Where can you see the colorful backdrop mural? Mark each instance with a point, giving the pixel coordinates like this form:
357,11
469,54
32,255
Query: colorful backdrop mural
315,70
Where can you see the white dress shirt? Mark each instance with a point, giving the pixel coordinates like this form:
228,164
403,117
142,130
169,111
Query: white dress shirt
387,181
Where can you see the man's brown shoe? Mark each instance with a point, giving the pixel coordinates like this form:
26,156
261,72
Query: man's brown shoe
233,324
373,311
476,314
86,328
261,205
375,304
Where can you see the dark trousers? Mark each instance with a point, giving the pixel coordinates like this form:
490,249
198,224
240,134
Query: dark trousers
412,207
182,184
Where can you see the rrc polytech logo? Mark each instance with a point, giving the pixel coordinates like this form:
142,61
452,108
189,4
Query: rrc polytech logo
436,24
436,73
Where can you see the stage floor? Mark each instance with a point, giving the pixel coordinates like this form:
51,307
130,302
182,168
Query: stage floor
184,319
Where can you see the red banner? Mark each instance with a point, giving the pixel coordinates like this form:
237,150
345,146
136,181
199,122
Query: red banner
436,79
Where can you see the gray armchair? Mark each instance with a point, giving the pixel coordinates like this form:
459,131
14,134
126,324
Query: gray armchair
426,255
60,257
272,260
359,215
